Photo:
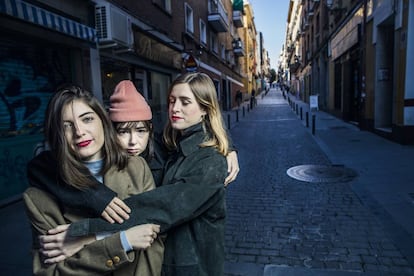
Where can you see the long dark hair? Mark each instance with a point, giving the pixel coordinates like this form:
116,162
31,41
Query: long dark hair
70,167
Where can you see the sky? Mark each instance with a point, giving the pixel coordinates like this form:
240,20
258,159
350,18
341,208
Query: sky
270,17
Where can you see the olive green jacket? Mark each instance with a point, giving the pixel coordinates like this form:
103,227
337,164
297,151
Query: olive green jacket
102,257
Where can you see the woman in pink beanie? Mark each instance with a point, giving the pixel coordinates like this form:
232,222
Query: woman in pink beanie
131,116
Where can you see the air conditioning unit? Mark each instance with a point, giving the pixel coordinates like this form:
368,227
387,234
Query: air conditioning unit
113,27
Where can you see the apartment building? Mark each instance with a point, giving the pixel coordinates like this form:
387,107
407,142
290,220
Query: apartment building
97,43
356,59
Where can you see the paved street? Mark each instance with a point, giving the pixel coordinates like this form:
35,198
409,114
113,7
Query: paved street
278,225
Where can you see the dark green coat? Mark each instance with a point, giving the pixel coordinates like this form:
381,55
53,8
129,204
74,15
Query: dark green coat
190,205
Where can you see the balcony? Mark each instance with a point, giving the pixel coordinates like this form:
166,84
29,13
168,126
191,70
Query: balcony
238,19
293,68
238,47
217,17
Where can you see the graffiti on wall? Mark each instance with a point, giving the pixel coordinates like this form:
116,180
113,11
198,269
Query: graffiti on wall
23,98
26,85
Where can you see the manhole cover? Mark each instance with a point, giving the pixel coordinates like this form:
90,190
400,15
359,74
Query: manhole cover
321,173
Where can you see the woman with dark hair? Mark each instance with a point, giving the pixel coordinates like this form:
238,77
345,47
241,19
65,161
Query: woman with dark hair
84,153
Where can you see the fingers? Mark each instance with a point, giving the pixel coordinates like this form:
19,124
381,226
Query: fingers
55,259
116,211
156,228
122,205
231,177
107,217
232,167
58,229
142,236
52,253
51,241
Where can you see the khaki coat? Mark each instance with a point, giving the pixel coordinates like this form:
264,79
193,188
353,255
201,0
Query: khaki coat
102,257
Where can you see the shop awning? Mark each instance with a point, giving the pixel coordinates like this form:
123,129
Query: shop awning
45,18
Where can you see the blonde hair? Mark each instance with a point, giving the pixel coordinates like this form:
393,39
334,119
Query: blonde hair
205,94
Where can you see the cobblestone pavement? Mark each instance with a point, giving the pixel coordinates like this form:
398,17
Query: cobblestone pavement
291,227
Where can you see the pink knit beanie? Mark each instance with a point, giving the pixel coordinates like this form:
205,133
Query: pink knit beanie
128,105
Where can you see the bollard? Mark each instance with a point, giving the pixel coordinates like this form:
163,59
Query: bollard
307,119
248,108
313,124
244,113
301,116
297,109
228,121
237,115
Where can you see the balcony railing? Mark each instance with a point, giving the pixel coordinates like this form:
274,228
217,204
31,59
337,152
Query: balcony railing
238,19
238,47
217,16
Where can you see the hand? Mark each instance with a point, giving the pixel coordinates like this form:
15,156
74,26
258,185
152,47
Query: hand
116,211
56,247
142,236
232,167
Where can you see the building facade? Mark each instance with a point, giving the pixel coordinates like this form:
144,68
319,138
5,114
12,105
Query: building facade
98,43
356,59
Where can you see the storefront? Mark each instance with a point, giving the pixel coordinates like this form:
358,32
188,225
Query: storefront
39,50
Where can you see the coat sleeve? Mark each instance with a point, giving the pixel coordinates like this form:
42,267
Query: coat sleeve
97,258
197,189
42,173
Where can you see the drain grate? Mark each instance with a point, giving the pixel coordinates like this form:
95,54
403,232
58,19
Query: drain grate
321,173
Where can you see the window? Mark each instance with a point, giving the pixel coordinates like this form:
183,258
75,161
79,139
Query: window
203,32
164,4
189,22
167,5
222,51
214,42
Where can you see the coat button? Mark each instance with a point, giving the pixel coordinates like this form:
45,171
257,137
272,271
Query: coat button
116,259
109,263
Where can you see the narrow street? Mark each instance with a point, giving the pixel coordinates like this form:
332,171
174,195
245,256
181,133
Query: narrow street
278,225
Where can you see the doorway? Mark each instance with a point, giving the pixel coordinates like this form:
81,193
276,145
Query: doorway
384,87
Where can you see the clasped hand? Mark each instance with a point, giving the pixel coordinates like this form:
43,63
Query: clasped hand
55,246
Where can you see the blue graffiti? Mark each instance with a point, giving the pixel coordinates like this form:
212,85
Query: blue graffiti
23,98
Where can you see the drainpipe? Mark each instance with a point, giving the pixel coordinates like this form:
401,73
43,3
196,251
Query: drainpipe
362,98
